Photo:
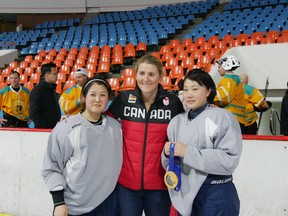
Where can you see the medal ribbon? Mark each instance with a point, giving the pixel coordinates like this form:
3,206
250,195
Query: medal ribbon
175,165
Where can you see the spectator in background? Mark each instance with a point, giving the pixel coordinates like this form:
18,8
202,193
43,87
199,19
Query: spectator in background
14,102
208,142
44,107
84,156
255,101
230,91
284,114
144,113
70,101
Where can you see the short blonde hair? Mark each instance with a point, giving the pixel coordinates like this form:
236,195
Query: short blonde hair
150,59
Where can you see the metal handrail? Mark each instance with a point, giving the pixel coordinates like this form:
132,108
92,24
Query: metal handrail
274,116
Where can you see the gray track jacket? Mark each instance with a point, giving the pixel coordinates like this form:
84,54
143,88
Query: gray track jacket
85,159
214,147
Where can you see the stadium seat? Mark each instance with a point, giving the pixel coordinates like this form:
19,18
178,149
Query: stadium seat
34,78
23,78
71,56
173,43
13,65
156,54
128,84
114,84
166,56
200,41
2,79
166,83
103,67
187,41
28,58
23,65
187,64
129,51
3,85
29,85
19,70
91,67
29,71
53,52
176,72
92,60
191,47
127,72
141,48
68,84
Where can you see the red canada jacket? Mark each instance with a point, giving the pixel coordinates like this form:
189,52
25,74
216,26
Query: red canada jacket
144,134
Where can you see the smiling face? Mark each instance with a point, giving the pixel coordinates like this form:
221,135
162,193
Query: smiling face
147,77
194,95
96,99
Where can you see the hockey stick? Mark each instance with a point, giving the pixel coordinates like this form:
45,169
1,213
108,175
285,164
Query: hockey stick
261,112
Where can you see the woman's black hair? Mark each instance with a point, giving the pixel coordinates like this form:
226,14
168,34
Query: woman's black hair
203,79
99,81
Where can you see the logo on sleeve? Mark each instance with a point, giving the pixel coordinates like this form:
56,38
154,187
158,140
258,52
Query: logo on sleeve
132,98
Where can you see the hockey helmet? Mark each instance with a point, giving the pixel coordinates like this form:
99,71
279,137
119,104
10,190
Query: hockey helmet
229,62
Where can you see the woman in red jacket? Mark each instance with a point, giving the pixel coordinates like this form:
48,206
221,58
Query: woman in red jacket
144,113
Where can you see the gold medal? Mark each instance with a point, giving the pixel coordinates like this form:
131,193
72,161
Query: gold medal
171,179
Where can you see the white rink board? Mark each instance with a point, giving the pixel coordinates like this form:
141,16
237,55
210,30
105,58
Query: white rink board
261,178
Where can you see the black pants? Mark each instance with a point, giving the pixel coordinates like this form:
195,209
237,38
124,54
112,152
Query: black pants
251,129
13,121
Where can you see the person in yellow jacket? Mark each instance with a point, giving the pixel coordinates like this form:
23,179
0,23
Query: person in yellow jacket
70,101
230,90
255,101
14,102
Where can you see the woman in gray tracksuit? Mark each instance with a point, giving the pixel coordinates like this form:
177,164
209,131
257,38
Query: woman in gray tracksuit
209,143
84,157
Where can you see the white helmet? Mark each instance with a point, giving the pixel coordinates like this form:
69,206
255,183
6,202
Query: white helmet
229,62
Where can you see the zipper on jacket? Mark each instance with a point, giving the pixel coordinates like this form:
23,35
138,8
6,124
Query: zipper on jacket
147,118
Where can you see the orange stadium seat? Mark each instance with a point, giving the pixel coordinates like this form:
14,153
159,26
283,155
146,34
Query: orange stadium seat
91,67
128,84
29,85
28,58
42,53
166,83
173,43
29,71
103,67
186,42
63,51
127,72
39,58
6,72
52,52
23,64
129,51
141,48
35,78
114,83
3,85
23,78
19,70
13,65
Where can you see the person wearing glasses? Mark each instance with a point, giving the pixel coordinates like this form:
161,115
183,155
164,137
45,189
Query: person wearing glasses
44,107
